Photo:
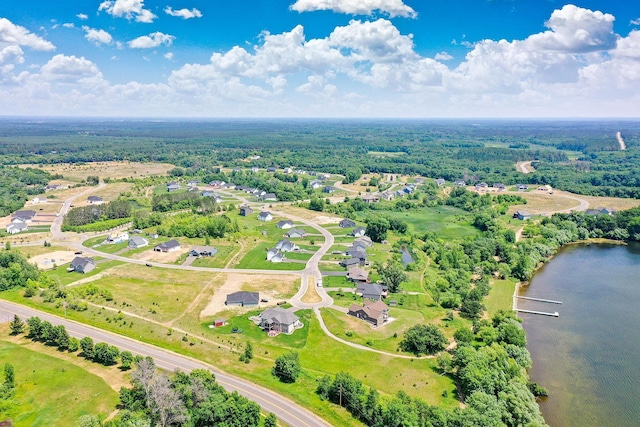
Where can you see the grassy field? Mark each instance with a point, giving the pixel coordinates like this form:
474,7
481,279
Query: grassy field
53,392
256,259
65,277
220,259
113,170
500,297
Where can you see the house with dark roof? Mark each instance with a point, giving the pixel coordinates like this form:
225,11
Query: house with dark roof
296,233
245,211
372,291
347,223
24,215
350,262
358,232
376,313
370,198
522,215
328,189
265,216
193,183
499,186
278,319
243,299
440,182
213,194
170,246
269,197
95,200
315,184
285,224
200,251
275,255
358,275
82,265
138,242
271,169
460,183
286,245
173,186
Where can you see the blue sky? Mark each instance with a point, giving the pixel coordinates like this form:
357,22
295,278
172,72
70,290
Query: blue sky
320,58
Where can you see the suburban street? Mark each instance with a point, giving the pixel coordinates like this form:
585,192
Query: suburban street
287,411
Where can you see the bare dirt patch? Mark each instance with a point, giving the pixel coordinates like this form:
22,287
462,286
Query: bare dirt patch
544,203
317,217
163,257
311,296
273,288
80,172
109,193
48,260
610,202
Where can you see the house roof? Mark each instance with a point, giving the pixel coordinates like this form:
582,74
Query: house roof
246,208
358,230
285,245
269,196
138,240
375,308
297,232
243,297
284,223
94,198
204,249
80,261
264,214
279,315
17,226
371,289
26,214
346,223
169,245
349,262
363,241
358,273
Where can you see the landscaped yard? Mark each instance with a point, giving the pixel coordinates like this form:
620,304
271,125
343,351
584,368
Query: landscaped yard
500,296
257,259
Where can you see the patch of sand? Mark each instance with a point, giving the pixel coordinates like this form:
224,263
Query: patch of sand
273,288
47,261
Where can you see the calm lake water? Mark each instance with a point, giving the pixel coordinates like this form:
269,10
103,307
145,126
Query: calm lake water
588,358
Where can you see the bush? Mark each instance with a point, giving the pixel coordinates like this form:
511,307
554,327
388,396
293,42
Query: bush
287,367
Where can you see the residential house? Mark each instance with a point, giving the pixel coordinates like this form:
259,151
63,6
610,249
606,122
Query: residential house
271,169
328,189
399,193
315,184
245,211
301,172
409,188
199,251
286,245
522,215
275,255
481,186
265,216
117,237
375,313
370,198
363,241
499,186
193,183
136,242
278,319
460,183
269,197
23,216
170,246
216,183
82,265
357,274
172,186
288,170
255,169
372,291
347,223
53,187
522,187
285,224
243,299
38,200
16,227
296,233
387,195
350,262
440,182
358,232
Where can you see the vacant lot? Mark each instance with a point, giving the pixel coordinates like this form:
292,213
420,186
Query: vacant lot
53,392
115,170
50,260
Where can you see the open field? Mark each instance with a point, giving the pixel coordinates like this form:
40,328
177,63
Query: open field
48,260
274,288
51,390
115,170
256,259
500,296
109,193
65,277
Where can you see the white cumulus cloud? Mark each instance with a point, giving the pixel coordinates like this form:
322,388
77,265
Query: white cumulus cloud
169,56
11,34
97,36
70,69
443,56
392,8
183,13
129,9
82,16
152,40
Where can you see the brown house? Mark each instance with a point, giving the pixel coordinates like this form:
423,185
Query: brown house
374,312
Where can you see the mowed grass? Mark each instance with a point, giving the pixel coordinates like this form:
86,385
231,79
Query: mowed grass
53,392
65,277
256,258
219,260
155,293
500,296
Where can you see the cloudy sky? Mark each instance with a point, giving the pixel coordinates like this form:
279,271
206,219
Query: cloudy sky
320,58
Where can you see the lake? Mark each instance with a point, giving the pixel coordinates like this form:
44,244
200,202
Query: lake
588,357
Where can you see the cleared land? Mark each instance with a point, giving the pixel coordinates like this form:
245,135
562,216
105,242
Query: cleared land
114,170
49,260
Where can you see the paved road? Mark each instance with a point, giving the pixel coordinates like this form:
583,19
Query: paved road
286,411
522,167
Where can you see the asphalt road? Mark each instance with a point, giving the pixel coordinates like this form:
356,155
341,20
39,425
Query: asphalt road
287,411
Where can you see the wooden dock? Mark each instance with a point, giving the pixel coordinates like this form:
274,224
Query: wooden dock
539,299
542,313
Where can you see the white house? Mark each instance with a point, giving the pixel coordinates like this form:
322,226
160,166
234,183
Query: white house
265,216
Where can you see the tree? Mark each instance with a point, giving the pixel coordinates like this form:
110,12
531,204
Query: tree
16,325
392,274
423,339
271,420
316,204
248,352
89,421
126,360
86,345
74,344
9,377
377,228
287,367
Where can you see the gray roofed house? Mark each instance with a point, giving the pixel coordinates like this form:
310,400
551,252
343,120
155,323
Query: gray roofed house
347,223
285,224
24,215
375,313
372,291
440,182
269,197
271,169
286,245
363,241
370,198
203,251
82,265
278,319
138,242
245,211
316,183
296,233
170,246
387,195
328,189
95,200
275,255
243,298
358,231
357,274
265,216
17,227
172,186
350,262
460,183
522,215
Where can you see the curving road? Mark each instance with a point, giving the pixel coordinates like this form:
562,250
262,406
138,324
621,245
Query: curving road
287,411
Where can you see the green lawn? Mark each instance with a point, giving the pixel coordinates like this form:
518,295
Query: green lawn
65,277
257,259
219,260
52,392
500,296
336,282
